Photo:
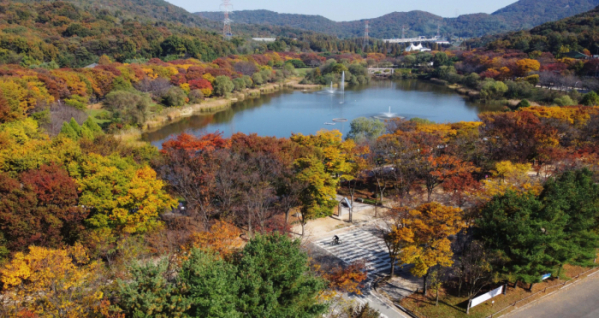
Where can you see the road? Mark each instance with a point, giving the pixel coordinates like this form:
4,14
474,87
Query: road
579,301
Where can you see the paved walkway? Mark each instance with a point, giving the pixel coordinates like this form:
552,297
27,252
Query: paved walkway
359,245
579,301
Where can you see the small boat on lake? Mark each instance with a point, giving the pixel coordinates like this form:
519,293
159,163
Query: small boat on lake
330,124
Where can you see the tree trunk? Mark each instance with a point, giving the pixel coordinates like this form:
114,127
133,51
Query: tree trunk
392,267
559,270
531,284
429,194
250,229
351,202
460,288
425,283
437,303
303,226
287,216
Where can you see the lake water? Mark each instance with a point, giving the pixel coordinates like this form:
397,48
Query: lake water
288,111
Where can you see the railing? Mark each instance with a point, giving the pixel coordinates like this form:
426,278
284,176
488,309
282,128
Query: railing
544,291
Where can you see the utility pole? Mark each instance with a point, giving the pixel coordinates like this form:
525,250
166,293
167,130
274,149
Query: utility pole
227,7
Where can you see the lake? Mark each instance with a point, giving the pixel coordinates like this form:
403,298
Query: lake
288,111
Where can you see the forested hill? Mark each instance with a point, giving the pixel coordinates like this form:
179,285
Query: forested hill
161,11
72,36
523,14
577,33
75,33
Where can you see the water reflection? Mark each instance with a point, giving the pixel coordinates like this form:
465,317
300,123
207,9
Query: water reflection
289,111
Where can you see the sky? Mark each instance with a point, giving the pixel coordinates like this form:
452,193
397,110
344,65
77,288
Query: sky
347,10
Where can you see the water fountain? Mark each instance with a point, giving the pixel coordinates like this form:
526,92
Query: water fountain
387,115
331,90
342,87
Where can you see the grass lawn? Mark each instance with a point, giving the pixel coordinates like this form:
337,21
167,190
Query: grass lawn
94,113
301,72
454,307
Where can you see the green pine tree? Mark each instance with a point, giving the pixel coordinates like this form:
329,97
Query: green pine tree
213,286
577,195
150,294
93,127
76,128
276,281
68,131
520,230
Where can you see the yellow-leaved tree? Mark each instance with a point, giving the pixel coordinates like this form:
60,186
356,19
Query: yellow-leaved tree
425,234
329,147
122,196
509,176
51,283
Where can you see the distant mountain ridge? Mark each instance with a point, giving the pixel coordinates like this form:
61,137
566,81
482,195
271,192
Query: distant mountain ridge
523,14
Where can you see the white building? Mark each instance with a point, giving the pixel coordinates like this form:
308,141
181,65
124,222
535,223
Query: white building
264,39
417,48
416,39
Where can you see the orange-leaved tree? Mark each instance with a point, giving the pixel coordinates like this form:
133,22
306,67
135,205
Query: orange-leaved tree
347,279
425,235
223,238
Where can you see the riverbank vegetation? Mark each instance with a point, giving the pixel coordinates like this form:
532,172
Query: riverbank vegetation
131,93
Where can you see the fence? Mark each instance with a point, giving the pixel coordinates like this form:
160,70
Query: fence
544,291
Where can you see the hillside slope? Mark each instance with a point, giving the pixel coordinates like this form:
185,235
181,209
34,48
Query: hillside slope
521,15
575,33
72,36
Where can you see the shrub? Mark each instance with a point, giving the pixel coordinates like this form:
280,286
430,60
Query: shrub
472,80
493,90
195,96
121,84
77,101
590,99
128,107
564,100
239,84
296,63
257,79
524,103
521,89
223,86
248,81
157,88
175,96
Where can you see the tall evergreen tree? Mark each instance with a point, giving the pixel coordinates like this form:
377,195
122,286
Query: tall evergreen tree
212,285
520,230
275,280
576,195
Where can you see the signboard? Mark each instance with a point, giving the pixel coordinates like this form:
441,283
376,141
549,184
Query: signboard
347,202
544,277
484,297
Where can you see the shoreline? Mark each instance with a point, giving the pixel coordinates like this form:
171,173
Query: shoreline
174,114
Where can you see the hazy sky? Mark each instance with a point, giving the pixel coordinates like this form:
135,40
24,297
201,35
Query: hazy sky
344,10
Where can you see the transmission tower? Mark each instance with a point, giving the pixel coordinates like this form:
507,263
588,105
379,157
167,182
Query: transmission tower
227,7
366,37
403,31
